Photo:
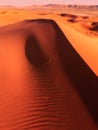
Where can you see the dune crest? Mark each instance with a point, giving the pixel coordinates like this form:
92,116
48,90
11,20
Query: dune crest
45,84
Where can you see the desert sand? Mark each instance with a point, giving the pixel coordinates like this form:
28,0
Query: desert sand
48,70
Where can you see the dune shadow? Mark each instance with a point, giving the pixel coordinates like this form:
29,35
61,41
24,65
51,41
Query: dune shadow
34,53
3,12
71,17
72,20
78,72
84,17
94,26
63,14
68,15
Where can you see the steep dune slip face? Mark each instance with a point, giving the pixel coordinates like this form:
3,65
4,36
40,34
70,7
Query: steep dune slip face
44,83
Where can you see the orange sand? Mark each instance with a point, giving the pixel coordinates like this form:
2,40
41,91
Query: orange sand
48,79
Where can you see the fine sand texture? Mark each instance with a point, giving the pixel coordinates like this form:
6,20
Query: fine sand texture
48,77
44,82
80,26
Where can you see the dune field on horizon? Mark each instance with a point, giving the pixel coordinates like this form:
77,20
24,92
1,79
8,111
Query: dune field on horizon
48,68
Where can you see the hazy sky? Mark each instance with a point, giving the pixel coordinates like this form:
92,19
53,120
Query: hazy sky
30,2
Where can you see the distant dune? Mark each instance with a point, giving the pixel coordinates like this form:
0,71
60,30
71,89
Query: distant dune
68,6
89,7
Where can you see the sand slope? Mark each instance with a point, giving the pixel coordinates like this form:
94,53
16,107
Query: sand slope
73,24
86,46
44,83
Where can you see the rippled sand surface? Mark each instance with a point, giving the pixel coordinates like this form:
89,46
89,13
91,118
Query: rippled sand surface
38,83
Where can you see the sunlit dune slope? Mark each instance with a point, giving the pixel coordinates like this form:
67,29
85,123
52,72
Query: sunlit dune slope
76,28
44,83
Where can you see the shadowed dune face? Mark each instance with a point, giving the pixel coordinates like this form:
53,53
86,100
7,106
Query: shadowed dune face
63,14
71,20
71,17
85,17
92,26
44,82
34,53
68,15
3,12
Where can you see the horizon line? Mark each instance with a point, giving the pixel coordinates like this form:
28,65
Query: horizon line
46,4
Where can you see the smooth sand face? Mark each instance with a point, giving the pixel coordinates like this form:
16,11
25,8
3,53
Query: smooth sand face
85,43
44,82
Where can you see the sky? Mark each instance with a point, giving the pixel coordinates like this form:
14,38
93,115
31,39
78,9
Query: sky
31,2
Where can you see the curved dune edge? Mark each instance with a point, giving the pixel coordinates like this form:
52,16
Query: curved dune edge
54,90
87,47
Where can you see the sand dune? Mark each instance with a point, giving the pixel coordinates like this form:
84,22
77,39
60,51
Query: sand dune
94,26
87,25
45,84
91,26
84,45
48,77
